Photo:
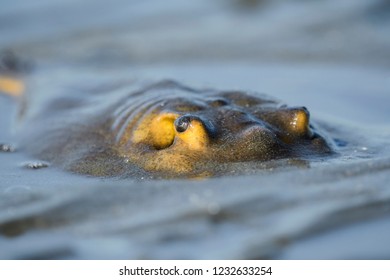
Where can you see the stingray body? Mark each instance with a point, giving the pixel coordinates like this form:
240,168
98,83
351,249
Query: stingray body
165,129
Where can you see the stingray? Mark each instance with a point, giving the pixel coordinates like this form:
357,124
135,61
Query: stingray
163,129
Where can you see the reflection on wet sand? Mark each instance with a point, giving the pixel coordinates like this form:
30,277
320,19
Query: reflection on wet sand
333,61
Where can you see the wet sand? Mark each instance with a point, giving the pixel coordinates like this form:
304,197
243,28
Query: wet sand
334,209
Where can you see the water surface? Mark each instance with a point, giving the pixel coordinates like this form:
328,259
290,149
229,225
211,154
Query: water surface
334,62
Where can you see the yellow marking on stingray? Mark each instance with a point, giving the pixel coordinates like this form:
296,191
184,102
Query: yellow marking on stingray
195,137
162,130
157,130
300,122
11,86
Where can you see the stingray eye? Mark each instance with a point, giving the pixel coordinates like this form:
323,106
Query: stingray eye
182,123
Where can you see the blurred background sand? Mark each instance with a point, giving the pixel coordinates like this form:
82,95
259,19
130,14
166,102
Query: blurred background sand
331,56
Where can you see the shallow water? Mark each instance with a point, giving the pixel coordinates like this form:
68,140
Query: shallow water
327,210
